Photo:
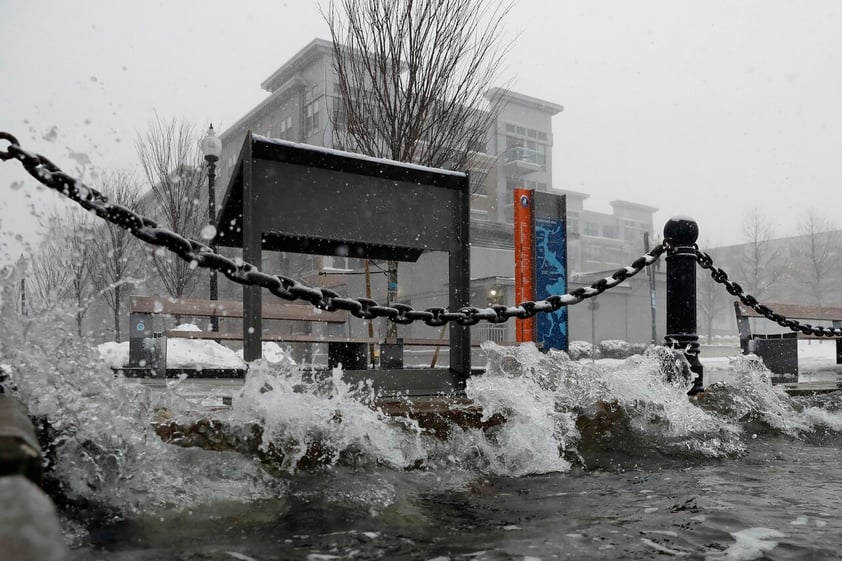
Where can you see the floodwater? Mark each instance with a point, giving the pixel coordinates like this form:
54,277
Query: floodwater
594,461
779,501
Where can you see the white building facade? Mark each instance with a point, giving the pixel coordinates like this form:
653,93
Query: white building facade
302,106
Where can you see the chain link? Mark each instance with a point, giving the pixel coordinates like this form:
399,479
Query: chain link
240,272
706,262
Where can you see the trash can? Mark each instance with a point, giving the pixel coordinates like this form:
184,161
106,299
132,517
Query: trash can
352,356
147,350
780,355
391,355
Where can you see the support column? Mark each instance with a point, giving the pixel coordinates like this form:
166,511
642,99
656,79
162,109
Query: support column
252,253
459,274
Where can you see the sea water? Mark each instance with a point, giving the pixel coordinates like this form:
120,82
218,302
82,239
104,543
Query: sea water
594,461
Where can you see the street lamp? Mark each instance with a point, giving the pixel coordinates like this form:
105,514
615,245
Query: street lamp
212,148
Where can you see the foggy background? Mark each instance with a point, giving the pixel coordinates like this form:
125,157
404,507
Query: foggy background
700,108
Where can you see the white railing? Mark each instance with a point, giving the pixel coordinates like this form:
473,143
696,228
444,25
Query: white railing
490,332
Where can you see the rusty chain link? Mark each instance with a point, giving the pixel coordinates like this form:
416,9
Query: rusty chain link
290,289
706,262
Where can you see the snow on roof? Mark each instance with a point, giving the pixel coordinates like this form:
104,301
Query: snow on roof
362,157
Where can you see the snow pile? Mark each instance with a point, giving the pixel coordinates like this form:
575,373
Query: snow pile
199,354
273,353
194,354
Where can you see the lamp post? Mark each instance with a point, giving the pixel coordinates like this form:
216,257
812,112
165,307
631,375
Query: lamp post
212,148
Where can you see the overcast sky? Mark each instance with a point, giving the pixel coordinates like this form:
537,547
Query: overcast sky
704,108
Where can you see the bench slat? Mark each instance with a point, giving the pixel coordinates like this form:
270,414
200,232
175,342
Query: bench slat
793,311
287,338
305,338
230,309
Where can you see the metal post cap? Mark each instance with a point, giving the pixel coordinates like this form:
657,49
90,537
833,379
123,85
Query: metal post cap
682,230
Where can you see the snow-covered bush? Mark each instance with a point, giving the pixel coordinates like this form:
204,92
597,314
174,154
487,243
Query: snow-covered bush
614,348
610,348
581,349
638,348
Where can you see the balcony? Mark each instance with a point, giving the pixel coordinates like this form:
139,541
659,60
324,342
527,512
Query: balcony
521,161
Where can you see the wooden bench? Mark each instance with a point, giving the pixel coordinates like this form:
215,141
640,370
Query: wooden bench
779,351
144,309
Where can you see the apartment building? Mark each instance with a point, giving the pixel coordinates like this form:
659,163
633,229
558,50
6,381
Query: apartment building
303,105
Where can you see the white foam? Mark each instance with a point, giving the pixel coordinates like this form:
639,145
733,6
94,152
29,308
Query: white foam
751,543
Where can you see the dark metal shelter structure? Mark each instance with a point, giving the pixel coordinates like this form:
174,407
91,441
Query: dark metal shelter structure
298,198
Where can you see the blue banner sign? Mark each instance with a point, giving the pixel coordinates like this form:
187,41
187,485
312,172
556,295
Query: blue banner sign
550,261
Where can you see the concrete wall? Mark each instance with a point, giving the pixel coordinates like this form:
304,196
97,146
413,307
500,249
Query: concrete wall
29,525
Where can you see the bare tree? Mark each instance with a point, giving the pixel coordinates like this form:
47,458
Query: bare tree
170,158
818,256
48,277
114,251
411,77
61,273
711,299
763,264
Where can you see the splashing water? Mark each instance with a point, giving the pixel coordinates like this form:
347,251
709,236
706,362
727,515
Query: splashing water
329,418
103,448
631,405
563,417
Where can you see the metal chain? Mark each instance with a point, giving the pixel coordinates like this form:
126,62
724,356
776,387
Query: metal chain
290,289
706,262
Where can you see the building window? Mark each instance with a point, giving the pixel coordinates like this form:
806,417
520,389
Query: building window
573,256
477,142
610,231
573,221
309,264
591,254
335,262
340,116
285,130
527,151
311,118
591,229
512,183
537,153
478,187
526,132
633,230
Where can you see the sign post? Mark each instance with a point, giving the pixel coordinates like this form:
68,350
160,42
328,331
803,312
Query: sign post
524,260
541,263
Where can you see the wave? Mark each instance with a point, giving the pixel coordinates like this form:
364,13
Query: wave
559,415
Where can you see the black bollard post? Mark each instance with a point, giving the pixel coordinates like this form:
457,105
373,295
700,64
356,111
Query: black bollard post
681,293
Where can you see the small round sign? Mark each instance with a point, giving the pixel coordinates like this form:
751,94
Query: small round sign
524,201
